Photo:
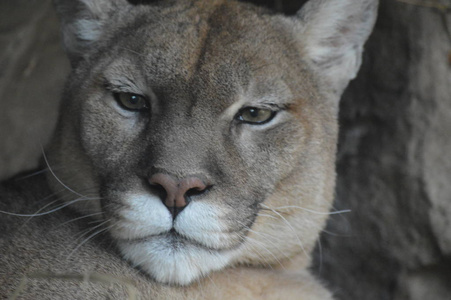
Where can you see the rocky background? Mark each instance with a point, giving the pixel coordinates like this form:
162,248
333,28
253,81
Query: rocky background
394,159
394,163
33,68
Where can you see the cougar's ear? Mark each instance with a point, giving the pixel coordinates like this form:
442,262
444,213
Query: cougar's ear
332,34
83,23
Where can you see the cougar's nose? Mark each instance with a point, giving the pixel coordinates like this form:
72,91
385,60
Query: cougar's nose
175,193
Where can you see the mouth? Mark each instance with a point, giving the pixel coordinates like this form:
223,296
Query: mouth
172,259
173,239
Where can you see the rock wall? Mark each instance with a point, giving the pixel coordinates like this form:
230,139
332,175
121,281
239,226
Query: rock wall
33,69
394,159
394,164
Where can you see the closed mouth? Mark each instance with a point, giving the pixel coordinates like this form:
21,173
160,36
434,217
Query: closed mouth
177,241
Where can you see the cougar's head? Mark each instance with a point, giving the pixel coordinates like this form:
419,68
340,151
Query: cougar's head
203,132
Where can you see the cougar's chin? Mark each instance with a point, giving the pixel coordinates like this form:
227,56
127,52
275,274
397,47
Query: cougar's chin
171,259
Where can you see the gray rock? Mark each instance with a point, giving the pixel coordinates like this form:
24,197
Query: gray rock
33,69
394,164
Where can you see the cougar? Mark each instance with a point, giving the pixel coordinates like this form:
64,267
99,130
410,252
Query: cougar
194,153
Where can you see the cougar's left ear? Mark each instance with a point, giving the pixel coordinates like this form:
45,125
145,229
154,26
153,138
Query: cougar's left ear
84,22
332,34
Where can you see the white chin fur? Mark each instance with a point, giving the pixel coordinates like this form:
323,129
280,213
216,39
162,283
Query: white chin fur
173,262
166,257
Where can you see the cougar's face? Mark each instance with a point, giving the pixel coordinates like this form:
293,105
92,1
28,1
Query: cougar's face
193,129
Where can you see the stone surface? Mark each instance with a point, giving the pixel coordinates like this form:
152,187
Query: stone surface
394,161
394,165
33,69
425,283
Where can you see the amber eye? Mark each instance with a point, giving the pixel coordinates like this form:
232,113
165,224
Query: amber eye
256,116
131,101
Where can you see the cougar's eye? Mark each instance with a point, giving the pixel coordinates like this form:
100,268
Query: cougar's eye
256,116
131,101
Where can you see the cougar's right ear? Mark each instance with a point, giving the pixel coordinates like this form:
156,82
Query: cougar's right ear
83,23
333,33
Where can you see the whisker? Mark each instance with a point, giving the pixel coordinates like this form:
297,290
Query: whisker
38,211
322,230
212,282
335,234
50,203
312,211
94,221
252,245
49,196
262,245
85,232
289,225
89,229
86,240
32,174
320,249
272,243
79,218
54,175
65,195
132,51
267,237
35,214
265,215
47,212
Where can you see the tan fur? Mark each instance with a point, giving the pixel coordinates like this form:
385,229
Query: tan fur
198,63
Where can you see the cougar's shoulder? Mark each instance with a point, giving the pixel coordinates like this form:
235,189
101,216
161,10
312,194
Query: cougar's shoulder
36,244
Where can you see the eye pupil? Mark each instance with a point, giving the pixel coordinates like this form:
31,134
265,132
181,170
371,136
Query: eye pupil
133,99
253,112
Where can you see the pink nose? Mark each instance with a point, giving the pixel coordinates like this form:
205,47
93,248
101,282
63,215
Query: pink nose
176,191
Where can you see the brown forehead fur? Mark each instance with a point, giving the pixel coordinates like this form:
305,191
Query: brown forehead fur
209,38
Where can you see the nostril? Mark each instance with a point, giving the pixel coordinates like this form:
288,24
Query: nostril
197,191
191,186
166,188
159,190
